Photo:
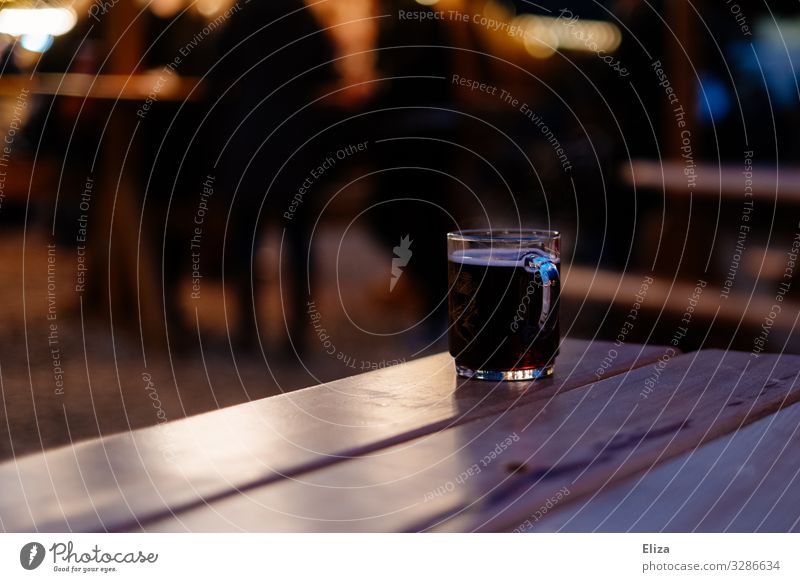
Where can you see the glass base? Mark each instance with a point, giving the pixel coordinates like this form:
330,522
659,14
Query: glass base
499,375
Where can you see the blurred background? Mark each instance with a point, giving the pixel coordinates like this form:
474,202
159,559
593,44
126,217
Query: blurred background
207,202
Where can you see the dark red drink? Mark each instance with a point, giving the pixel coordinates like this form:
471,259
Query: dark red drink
503,306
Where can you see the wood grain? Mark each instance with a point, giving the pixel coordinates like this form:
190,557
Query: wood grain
124,480
748,481
579,441
707,395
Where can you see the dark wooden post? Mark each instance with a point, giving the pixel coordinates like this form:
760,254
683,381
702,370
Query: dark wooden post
124,278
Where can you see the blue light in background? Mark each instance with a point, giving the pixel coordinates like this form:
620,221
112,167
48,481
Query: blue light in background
713,99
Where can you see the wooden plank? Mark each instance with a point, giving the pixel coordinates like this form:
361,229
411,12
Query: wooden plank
576,443
748,481
124,87
710,394
713,181
604,287
119,481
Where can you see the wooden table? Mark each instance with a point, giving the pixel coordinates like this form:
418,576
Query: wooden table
703,441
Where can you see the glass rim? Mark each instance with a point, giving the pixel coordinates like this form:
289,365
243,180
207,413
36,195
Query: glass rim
504,234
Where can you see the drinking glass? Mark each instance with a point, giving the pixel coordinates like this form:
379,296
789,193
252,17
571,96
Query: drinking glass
503,302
